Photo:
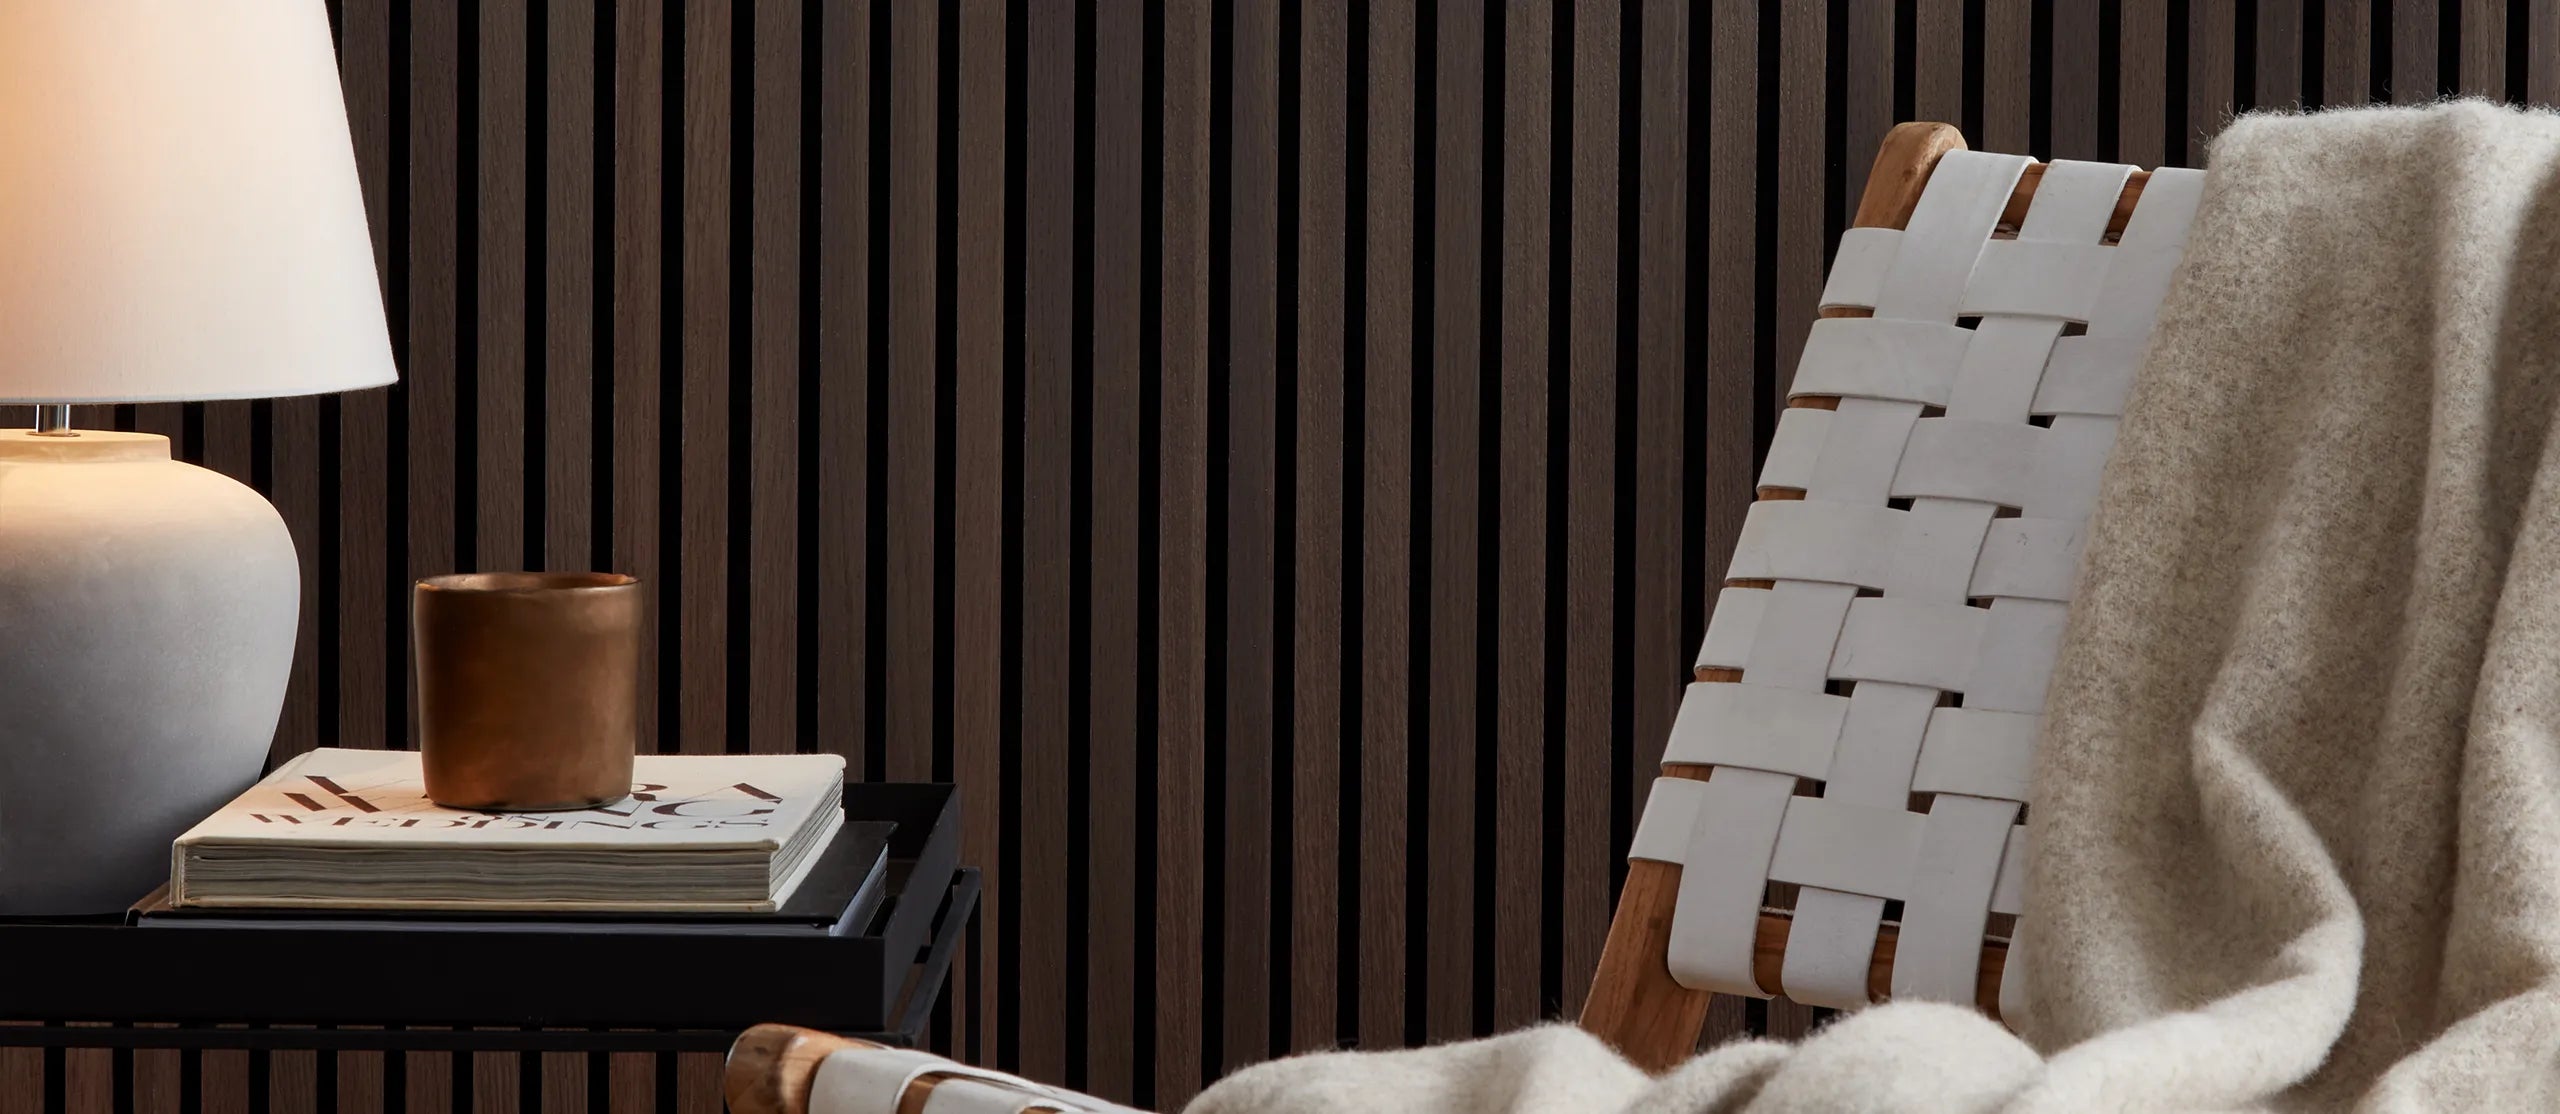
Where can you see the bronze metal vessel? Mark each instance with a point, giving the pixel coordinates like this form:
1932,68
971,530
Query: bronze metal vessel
528,688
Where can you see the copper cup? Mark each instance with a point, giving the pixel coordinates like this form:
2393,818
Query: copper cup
528,688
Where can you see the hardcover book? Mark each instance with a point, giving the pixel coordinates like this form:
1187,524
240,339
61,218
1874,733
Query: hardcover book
353,829
840,897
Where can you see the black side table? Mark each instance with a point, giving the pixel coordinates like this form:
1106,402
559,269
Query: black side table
102,984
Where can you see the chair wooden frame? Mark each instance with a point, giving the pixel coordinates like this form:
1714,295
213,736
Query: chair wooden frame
1634,1002
772,1067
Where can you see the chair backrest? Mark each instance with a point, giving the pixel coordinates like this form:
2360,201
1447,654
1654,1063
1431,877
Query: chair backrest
1840,813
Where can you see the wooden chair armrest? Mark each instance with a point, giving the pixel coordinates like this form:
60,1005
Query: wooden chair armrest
772,1066
773,1069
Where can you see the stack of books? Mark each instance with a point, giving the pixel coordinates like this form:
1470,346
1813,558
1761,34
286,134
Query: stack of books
753,844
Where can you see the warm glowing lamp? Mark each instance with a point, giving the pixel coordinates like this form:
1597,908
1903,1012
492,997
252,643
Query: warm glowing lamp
179,219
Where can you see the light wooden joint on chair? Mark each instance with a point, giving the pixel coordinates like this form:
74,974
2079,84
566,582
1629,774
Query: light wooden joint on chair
782,1069
772,1067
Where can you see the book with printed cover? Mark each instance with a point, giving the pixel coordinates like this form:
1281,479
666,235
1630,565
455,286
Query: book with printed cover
353,829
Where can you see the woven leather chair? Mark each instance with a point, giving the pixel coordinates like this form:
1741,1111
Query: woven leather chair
1840,816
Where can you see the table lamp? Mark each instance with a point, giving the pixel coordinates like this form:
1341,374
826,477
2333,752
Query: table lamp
179,219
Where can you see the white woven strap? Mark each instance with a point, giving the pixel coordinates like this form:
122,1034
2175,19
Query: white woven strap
1927,567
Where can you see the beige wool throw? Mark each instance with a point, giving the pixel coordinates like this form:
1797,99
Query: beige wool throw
2296,834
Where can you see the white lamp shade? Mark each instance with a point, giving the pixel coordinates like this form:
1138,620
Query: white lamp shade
179,212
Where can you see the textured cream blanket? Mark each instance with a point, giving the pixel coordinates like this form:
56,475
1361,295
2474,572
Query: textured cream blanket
2297,820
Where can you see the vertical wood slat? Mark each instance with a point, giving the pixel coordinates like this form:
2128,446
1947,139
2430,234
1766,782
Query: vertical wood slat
361,1088
978,525
1316,642
1115,428
1047,407
631,1082
499,303
844,342
1733,399
572,272
697,1084
428,378
2542,53
2280,77
1661,387
293,1081
1731,217
88,1080
1386,480
842,493
293,460
1867,110
1522,578
2346,53
914,198
1460,139
1182,792
775,368
496,1084
639,154
564,1082
427,1083
227,446
168,419
701,427
2211,44
1251,536
156,1082
2413,52
2484,48
222,1082
22,1078
1590,509
2142,96
363,506
1802,35
2008,69
1937,60
2074,108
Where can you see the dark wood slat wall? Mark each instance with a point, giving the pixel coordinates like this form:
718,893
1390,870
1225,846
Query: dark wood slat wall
1277,456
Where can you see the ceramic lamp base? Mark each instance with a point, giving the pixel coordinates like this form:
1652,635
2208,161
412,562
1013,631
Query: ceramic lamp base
150,608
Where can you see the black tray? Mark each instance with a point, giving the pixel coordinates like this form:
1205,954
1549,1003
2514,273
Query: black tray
695,989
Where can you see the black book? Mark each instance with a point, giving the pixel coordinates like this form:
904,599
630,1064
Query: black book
842,891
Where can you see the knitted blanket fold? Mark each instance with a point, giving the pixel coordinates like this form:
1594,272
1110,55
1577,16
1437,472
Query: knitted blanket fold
2296,833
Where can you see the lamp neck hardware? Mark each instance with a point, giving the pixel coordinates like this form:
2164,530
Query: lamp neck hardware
53,419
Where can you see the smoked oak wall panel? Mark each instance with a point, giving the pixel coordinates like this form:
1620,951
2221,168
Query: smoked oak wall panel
1277,456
